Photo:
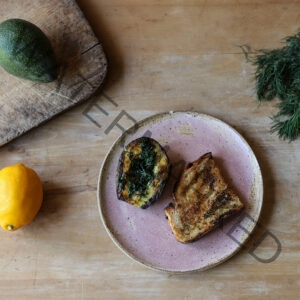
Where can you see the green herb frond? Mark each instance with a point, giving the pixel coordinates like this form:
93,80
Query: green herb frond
288,129
277,75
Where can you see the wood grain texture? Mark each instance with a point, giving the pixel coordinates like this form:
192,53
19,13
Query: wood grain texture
81,59
164,55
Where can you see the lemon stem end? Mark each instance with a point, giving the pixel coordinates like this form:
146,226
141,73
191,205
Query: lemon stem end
10,227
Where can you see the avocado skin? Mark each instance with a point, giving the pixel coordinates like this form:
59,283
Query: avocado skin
26,52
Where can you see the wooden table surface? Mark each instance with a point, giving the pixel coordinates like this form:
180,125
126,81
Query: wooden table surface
163,55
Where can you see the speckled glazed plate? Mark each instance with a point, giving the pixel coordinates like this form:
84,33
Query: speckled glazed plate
144,234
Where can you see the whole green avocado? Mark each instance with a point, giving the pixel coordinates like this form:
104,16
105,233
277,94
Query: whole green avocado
26,52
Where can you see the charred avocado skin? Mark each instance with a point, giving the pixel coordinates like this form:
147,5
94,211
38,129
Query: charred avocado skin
143,171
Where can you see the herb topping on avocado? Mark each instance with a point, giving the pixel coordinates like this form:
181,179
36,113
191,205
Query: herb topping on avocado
141,171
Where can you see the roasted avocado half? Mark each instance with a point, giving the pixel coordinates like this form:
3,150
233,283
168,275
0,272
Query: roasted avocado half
143,171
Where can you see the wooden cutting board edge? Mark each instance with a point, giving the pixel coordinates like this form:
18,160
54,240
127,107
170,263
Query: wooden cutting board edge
98,48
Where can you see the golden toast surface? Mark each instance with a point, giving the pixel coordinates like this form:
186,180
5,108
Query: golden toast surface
202,200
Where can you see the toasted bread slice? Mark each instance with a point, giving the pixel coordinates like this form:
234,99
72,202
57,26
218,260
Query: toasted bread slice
142,172
202,200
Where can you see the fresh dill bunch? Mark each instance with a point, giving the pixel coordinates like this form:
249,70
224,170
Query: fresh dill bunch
277,75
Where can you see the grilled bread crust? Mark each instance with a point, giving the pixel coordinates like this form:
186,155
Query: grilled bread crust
202,200
143,171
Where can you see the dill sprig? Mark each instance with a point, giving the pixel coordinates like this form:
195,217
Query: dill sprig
287,120
277,75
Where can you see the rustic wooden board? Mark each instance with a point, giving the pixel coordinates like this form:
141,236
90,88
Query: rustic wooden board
83,65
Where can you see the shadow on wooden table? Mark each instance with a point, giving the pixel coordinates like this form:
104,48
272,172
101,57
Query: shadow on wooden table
268,182
112,50
54,209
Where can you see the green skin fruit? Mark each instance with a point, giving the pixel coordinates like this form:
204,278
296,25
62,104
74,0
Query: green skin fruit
26,52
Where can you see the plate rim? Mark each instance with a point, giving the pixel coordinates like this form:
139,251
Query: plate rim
258,175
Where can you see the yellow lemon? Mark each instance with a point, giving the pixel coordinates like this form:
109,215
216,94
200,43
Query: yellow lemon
21,196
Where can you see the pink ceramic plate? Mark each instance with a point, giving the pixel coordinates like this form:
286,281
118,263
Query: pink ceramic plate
144,234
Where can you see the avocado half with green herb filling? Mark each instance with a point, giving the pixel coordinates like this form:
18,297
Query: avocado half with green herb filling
143,171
